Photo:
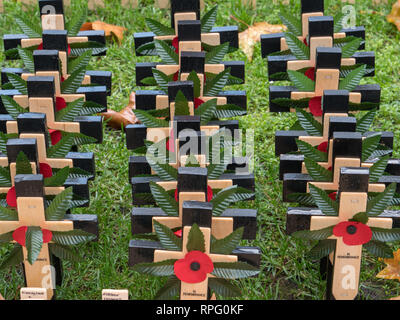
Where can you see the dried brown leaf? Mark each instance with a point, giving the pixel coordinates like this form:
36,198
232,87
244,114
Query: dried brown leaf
249,37
110,29
123,117
394,16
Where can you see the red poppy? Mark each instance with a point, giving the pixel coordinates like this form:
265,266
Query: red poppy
198,102
305,41
45,170
323,147
194,267
310,73
62,79
60,103
175,44
47,235
55,136
333,196
176,76
178,233
315,106
330,168
354,233
209,194
19,235
11,198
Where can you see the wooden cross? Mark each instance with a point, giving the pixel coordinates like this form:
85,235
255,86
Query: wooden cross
53,22
353,195
136,134
54,63
345,149
192,185
326,78
271,43
190,11
41,98
189,61
197,291
320,35
31,212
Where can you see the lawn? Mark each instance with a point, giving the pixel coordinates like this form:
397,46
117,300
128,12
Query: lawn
285,272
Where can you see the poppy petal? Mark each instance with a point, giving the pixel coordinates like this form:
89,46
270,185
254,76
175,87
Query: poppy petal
69,49
323,147
178,233
11,198
175,44
60,103
315,106
333,196
197,102
184,273
209,194
55,136
40,47
19,235
310,73
176,76
340,229
362,235
45,170
47,235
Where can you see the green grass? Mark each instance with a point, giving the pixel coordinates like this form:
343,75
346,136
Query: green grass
285,272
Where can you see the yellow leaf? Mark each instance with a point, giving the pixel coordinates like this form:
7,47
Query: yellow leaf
109,29
249,37
392,269
394,16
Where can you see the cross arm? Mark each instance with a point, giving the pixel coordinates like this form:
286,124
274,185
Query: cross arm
142,220
142,251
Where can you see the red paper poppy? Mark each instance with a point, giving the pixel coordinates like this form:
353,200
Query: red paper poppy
315,106
19,235
47,235
323,147
209,194
60,103
175,44
310,73
62,79
45,170
178,233
11,198
354,233
305,41
332,195
176,76
55,136
330,168
194,267
198,102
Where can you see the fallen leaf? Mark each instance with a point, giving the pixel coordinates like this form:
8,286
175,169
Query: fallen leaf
123,117
110,29
394,16
249,37
392,269
1,297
